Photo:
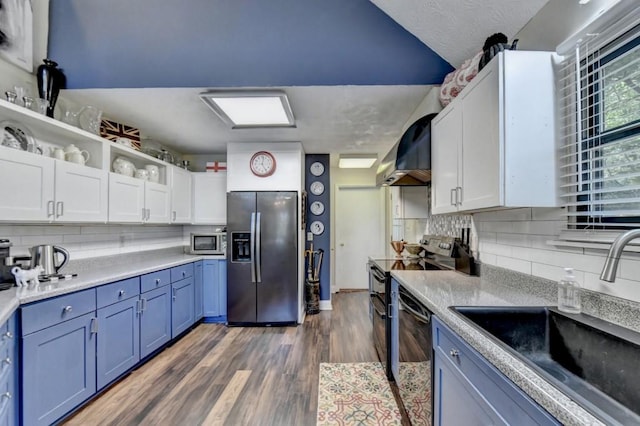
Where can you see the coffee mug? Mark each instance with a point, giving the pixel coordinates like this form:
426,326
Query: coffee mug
77,157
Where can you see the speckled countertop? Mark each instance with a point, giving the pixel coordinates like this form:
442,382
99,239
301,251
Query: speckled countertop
440,289
95,272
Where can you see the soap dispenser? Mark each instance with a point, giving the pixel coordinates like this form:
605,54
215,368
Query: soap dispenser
569,293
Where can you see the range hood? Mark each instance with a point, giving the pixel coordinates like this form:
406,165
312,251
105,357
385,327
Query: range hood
409,161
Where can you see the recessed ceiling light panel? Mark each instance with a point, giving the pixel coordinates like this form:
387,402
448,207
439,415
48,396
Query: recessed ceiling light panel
357,161
250,109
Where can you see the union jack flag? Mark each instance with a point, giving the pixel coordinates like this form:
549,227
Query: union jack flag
112,130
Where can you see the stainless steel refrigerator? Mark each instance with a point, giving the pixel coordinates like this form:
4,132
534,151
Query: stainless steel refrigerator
262,258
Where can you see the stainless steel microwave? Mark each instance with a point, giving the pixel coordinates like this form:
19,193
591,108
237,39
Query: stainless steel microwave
211,243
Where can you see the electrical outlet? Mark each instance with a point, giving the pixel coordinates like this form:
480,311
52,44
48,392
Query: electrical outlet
309,236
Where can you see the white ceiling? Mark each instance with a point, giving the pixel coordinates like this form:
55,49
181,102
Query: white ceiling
457,29
330,119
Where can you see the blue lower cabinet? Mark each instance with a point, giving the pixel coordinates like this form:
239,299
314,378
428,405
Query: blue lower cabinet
469,390
118,340
155,320
215,290
182,306
58,369
199,289
9,373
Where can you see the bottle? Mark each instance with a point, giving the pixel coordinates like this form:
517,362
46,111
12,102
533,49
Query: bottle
569,293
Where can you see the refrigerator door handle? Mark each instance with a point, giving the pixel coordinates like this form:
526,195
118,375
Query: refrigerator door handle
258,249
252,247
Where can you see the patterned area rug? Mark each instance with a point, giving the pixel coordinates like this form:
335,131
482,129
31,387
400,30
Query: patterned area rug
355,394
415,378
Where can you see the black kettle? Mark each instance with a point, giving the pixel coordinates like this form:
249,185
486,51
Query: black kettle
493,50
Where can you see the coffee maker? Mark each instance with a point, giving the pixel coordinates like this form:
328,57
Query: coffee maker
6,263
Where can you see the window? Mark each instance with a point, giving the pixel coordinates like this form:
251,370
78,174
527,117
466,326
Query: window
599,87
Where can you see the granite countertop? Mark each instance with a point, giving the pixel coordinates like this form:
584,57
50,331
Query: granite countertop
95,272
440,289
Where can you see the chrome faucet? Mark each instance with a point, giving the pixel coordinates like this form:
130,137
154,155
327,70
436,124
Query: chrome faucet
611,264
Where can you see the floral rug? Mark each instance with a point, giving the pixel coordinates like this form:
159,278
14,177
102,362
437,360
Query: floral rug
355,394
415,377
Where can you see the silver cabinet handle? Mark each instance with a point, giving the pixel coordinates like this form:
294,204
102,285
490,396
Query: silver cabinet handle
59,209
50,208
184,274
7,335
173,291
454,353
174,215
7,361
94,326
138,307
454,197
121,293
144,214
148,214
67,309
144,304
459,195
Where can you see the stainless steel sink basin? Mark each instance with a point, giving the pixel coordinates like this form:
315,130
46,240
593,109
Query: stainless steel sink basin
593,361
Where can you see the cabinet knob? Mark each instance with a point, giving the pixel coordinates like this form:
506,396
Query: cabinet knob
7,335
121,293
7,395
157,281
184,273
7,361
67,309
454,353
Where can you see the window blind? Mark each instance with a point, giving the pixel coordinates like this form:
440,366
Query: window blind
598,86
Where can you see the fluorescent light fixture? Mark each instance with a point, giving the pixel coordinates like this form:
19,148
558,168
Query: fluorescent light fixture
583,1
357,161
250,108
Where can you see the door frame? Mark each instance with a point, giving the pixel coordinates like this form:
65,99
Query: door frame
383,225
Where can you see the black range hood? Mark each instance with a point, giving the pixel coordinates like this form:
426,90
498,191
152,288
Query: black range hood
409,161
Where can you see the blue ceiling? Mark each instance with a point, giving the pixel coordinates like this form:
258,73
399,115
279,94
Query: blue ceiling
235,43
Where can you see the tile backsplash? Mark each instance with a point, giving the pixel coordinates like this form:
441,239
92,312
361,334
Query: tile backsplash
86,241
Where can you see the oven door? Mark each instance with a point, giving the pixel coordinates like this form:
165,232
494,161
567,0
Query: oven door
413,371
377,281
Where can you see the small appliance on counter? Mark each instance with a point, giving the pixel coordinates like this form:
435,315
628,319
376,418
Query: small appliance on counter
6,263
208,243
46,256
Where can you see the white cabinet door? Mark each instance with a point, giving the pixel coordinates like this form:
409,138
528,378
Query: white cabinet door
81,193
157,199
126,199
27,190
210,198
396,202
415,202
180,196
445,146
482,147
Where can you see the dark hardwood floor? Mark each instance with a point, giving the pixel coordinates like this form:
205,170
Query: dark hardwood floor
219,375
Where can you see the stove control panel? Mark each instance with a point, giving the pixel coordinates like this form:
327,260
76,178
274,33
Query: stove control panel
438,244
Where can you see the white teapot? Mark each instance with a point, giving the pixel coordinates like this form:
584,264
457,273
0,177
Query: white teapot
73,154
123,166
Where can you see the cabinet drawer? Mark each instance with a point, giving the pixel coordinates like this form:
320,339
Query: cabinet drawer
181,272
54,311
118,291
155,280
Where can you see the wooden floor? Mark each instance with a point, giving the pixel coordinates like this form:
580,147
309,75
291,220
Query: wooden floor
218,375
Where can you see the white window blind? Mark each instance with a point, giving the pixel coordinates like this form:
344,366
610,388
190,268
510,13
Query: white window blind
599,106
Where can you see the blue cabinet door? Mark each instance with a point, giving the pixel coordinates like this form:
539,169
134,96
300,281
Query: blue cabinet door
9,373
118,340
155,320
199,289
58,370
182,312
215,290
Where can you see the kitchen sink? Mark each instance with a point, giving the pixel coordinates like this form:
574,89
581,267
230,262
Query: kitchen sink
593,361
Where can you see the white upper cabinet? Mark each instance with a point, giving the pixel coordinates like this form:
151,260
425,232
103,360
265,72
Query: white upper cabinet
81,193
28,186
126,199
157,201
494,145
180,196
409,202
210,198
